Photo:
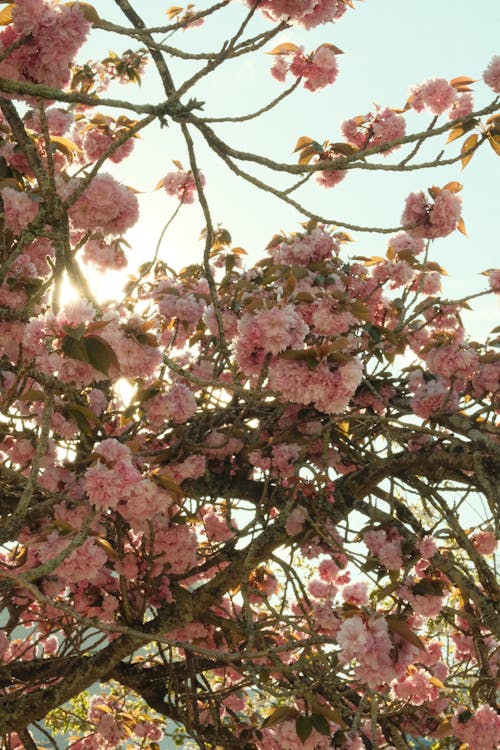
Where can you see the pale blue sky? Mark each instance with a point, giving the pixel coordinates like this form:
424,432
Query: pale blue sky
389,45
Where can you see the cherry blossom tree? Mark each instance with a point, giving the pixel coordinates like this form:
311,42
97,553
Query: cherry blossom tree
245,505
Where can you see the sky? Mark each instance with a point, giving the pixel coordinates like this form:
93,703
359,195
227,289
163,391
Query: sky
388,46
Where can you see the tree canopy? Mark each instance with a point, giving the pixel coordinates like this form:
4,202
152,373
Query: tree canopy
246,504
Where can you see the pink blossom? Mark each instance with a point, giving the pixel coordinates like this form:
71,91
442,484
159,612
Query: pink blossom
427,547
148,729
142,502
19,209
407,243
491,75
280,68
104,205
295,522
303,250
112,451
178,405
494,279
97,141
463,106
58,120
181,185
328,321
416,687
284,457
104,255
452,361
217,525
328,389
106,487
176,547
307,13
485,542
328,178
56,33
433,220
318,69
375,129
328,570
268,332
481,730
434,397
369,643
436,95
84,563
355,593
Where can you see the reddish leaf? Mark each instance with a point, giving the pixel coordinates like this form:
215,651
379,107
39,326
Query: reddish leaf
401,628
284,49
494,141
282,713
453,187
303,141
6,14
88,11
467,145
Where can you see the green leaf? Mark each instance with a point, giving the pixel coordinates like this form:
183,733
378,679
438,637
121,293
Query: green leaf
74,332
99,353
282,713
74,349
320,724
303,727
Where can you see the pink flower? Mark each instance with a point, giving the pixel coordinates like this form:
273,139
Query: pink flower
216,526
485,542
437,96
494,279
375,129
58,120
96,142
105,204
178,405
427,547
112,451
268,332
279,68
481,730
181,185
433,220
307,13
416,688
319,70
330,390
56,33
356,593
19,209
491,75
330,177
176,548
452,361
463,106
84,563
295,522
434,397
407,243
104,255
